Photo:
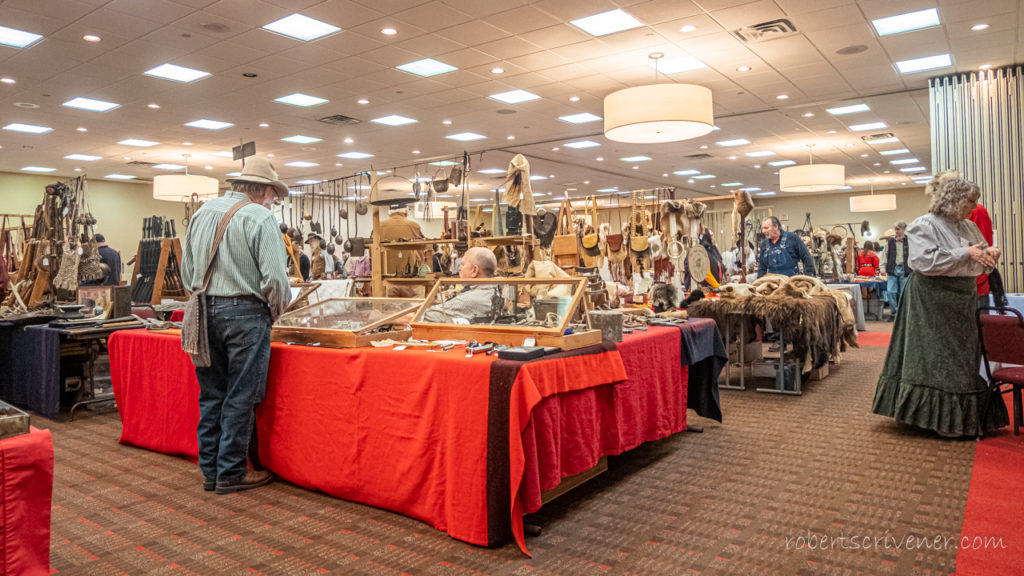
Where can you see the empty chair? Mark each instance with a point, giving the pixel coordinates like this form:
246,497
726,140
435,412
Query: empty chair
1001,334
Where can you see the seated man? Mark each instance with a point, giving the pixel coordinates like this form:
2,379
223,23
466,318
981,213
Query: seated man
474,304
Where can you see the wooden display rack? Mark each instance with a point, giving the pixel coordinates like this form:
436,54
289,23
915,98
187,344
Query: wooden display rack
508,334
332,338
168,246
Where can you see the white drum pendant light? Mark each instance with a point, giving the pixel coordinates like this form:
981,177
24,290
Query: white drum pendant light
873,202
181,187
658,112
812,177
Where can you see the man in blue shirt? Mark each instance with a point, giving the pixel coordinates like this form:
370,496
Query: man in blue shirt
781,251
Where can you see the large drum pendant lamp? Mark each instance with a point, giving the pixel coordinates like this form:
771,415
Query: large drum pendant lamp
873,202
658,113
181,187
812,177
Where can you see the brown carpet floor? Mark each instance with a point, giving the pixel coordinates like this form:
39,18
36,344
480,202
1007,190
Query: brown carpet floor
733,500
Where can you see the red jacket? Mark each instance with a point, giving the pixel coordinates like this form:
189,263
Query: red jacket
867,263
980,217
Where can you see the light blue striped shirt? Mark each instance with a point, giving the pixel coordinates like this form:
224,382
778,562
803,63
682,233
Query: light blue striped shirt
251,260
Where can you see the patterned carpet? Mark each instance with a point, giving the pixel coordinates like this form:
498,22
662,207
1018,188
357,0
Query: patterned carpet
734,500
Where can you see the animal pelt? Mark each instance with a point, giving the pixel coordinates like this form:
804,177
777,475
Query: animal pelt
742,204
546,269
693,297
843,301
736,291
808,285
665,296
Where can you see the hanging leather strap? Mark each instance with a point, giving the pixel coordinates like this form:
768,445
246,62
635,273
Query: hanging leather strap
221,228
565,225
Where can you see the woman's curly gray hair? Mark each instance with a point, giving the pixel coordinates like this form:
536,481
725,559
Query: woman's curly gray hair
950,192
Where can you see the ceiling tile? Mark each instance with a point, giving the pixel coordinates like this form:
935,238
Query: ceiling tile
521,20
507,48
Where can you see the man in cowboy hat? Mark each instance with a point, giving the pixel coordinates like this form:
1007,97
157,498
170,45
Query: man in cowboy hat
248,290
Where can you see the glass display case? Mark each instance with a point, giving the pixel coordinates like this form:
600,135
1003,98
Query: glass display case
346,322
507,311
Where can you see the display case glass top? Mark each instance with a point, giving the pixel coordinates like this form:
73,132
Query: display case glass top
349,314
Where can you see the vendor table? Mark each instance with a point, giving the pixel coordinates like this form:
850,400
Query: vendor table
464,444
26,489
857,302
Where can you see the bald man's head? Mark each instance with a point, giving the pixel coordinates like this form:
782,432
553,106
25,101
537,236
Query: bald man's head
478,262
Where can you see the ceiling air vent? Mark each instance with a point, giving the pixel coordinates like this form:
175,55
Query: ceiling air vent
873,137
141,163
340,119
701,156
765,31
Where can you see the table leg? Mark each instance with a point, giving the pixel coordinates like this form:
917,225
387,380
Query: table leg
780,373
728,385
88,381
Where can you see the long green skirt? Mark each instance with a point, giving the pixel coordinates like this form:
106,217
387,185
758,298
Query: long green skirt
930,378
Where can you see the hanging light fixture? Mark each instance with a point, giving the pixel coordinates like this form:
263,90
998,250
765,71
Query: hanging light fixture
873,202
181,187
812,177
658,112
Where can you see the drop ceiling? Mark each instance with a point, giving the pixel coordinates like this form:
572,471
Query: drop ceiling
826,55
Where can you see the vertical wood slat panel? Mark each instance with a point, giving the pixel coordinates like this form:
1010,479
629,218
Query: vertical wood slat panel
976,127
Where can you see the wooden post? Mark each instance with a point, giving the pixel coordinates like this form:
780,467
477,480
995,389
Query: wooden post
850,257
376,262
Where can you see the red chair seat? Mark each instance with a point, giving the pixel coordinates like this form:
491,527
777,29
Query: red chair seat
1010,375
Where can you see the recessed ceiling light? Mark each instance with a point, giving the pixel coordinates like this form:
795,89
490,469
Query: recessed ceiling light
497,70
864,155
233,174
7,80
301,27
984,67
307,182
687,28
704,177
606,23
186,143
581,118
894,152
904,161
514,96
264,125
510,137
979,27
808,114
300,139
153,106
926,63
427,67
852,108
686,172
300,99
17,38
782,97
446,122
394,120
914,169
355,155
732,157
599,159
27,128
301,164
224,154
760,154
348,140
704,147
176,73
906,22
91,38
751,189
743,68
82,157
126,157
465,136
168,166
765,194
555,149
443,163
581,144
90,104
538,177
388,31
574,98
883,141
639,158
677,65
209,124
736,142
120,177
137,142
82,129
38,169
731,184
830,132
491,171
868,126
362,101
208,167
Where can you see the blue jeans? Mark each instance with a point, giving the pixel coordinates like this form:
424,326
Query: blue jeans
894,289
233,384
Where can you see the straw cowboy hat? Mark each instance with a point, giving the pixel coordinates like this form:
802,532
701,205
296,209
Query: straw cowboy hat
261,171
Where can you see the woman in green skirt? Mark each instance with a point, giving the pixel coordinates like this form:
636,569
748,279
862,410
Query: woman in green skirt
930,378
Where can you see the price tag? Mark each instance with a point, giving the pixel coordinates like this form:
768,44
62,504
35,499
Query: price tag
79,250
46,261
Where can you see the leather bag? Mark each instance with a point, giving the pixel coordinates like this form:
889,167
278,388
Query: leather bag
565,247
545,224
590,239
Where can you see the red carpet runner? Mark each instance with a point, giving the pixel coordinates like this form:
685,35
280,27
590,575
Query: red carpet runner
873,338
992,539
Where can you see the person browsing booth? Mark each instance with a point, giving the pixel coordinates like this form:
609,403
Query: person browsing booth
781,251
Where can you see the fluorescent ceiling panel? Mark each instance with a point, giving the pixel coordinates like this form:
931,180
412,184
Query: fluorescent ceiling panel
883,141
581,118
427,67
300,99
444,163
224,154
926,63
355,155
868,126
904,161
465,136
38,169
581,144
301,27
851,109
120,177
914,169
209,124
394,120
765,194
640,158
606,23
304,182
491,171
301,164
27,128
686,172
907,22
300,139
17,38
514,96
613,189
760,154
176,73
894,152
677,65
90,104
733,184
538,177
780,163
168,166
704,177
82,157
736,142
137,142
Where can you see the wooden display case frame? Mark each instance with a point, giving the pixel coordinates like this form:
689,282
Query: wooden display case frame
333,338
508,334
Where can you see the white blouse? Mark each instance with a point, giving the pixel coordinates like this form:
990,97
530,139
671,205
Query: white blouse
938,246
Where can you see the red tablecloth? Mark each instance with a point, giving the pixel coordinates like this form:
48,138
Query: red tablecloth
26,490
409,431
177,316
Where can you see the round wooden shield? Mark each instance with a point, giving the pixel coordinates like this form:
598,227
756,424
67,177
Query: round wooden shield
698,263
